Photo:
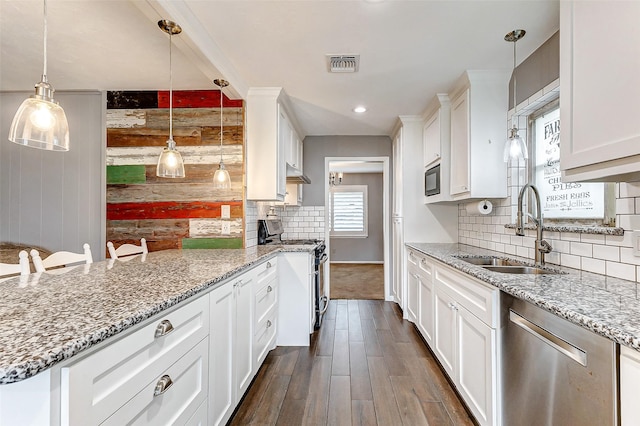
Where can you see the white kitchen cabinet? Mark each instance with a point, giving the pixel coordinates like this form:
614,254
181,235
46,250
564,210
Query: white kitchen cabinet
397,285
293,195
297,298
231,337
599,88
629,386
458,316
119,376
265,294
478,132
413,288
271,127
420,294
436,142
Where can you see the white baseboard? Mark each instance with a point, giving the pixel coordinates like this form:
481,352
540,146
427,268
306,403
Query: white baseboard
372,262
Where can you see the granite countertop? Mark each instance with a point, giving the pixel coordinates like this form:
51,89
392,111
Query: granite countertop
605,305
47,318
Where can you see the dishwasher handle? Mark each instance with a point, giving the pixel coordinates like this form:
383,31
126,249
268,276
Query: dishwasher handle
549,338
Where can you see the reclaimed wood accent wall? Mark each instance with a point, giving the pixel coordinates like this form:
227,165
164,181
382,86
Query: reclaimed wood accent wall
173,213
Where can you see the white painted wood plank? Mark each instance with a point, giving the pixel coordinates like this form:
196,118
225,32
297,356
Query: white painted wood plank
201,228
148,155
125,118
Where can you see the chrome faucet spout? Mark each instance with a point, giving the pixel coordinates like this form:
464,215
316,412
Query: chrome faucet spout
541,246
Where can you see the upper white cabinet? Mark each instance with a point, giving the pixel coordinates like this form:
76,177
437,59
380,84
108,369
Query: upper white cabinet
478,131
436,143
599,86
272,138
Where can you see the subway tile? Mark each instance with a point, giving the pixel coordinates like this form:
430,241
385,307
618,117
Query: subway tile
629,189
570,236
596,266
619,240
625,206
570,260
592,238
510,249
553,257
621,270
528,241
582,249
561,246
499,247
626,256
522,251
516,240
606,252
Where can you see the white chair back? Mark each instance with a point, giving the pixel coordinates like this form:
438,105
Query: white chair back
61,258
21,268
127,249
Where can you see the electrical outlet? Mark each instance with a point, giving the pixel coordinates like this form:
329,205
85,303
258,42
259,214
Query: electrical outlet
225,212
635,242
226,228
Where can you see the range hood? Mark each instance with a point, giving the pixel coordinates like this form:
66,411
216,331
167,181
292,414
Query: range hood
295,176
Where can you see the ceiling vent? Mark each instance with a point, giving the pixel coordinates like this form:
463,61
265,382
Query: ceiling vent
343,63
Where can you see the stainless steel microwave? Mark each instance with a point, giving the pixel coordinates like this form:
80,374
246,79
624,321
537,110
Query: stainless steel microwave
432,181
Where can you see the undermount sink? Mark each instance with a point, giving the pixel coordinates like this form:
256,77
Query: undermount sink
491,261
520,270
506,266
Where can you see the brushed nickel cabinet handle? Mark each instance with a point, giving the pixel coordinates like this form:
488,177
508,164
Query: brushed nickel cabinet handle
269,265
165,327
268,323
163,385
269,289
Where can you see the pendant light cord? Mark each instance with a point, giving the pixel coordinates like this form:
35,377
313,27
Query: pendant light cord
221,128
170,91
44,70
514,77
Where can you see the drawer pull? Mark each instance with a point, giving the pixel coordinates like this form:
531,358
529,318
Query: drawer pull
165,327
163,385
269,265
452,306
268,323
269,289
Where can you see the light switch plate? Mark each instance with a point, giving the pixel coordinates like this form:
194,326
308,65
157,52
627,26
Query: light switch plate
226,228
225,212
635,241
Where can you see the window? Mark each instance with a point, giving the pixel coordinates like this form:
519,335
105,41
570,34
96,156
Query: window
348,211
573,201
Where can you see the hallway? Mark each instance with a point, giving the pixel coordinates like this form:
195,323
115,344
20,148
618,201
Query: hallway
357,281
366,366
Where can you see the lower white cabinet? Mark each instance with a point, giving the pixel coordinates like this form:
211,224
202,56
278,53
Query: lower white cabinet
458,317
629,386
231,346
297,298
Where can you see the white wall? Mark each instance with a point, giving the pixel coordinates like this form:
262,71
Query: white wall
55,200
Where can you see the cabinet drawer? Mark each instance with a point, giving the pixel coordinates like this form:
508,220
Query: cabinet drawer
265,299
265,336
200,416
266,272
412,260
178,401
476,297
98,385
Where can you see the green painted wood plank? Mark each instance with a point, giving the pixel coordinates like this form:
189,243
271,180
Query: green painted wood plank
211,243
126,174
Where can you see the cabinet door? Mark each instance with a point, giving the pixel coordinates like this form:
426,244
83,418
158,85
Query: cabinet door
589,90
629,386
445,329
426,308
412,295
397,174
476,368
221,383
284,136
243,350
398,260
431,140
460,138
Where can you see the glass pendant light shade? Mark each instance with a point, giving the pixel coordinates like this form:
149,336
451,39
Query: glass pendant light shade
170,164
40,122
515,148
221,178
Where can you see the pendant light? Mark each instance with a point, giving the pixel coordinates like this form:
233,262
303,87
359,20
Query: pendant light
170,164
221,178
515,147
40,122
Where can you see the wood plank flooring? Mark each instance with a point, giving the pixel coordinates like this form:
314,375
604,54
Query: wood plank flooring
357,281
365,366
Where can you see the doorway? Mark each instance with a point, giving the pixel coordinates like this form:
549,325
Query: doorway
357,227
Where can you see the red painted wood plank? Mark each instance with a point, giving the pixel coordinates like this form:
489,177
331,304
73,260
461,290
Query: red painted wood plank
195,99
170,210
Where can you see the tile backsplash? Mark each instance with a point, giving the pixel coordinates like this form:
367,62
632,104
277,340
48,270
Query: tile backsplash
299,222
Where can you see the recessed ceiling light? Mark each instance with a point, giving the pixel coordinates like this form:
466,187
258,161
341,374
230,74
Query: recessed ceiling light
360,109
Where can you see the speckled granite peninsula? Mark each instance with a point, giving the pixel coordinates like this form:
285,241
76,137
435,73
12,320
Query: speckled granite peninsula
47,318
605,305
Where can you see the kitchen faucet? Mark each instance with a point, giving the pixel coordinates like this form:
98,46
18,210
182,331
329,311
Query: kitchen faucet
541,246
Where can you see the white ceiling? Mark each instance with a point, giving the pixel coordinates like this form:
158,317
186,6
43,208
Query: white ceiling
409,50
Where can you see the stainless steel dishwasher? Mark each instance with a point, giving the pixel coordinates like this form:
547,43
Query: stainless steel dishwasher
555,372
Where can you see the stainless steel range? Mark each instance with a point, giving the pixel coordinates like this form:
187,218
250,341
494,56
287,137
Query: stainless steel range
270,233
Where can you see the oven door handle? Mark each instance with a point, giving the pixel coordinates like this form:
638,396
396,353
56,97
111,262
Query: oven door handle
325,299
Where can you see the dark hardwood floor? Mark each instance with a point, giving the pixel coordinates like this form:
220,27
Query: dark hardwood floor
366,366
